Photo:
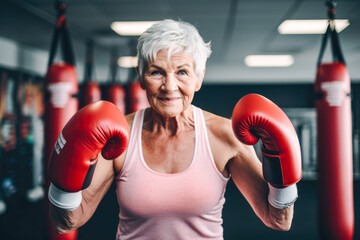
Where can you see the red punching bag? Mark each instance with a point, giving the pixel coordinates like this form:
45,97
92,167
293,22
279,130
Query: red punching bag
61,86
91,91
115,92
334,143
137,97
336,204
116,95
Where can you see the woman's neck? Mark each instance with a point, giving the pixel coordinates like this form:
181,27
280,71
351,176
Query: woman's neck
157,123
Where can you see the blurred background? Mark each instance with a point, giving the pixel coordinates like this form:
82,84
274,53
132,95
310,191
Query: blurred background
104,55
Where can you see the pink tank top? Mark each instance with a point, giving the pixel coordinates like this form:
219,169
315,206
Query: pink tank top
185,205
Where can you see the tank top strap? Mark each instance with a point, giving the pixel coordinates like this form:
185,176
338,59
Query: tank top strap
204,149
199,121
137,125
201,130
133,147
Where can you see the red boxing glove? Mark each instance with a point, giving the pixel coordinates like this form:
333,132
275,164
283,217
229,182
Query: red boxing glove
99,126
254,117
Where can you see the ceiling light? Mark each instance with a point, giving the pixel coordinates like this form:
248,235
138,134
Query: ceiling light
310,26
127,61
131,28
269,60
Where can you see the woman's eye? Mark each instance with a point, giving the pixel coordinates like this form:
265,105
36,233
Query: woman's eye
182,72
155,73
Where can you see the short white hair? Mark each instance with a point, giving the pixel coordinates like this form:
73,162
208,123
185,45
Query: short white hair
173,36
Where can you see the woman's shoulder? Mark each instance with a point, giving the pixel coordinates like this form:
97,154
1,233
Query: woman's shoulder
215,121
130,118
119,161
219,126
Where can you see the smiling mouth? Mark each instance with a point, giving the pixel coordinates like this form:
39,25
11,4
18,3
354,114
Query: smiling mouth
169,99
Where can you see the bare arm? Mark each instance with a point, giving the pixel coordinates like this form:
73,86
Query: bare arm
246,172
80,139
66,221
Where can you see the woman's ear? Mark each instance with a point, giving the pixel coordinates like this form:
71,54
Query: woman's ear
199,82
141,81
139,78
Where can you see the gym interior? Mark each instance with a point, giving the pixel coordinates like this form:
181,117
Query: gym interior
33,36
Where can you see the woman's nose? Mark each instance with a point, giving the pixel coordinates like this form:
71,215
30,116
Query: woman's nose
170,83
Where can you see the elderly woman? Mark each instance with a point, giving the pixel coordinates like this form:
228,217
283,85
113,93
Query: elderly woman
172,176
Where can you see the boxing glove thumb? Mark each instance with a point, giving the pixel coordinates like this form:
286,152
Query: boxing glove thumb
256,117
97,127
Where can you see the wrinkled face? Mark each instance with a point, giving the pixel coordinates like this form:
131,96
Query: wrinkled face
170,84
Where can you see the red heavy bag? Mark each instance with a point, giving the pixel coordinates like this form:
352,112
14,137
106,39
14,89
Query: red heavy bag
334,142
115,92
137,97
116,95
61,86
92,92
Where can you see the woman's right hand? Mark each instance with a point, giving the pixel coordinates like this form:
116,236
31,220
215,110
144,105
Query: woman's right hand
97,127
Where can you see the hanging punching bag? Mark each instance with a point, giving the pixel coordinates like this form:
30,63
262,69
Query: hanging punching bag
61,86
137,97
92,92
116,95
115,92
334,142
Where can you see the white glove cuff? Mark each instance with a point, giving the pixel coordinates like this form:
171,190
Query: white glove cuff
282,198
65,200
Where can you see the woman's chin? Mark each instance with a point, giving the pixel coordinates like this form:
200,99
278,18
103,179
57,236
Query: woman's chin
169,111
